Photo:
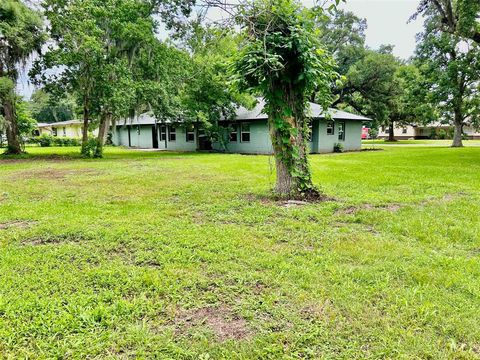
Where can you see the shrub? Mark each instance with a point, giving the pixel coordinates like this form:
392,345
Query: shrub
89,149
338,148
44,140
442,134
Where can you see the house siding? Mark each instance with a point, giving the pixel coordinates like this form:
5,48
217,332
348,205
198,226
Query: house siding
144,139
353,136
259,138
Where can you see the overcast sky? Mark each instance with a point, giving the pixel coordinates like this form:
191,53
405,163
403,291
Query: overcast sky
387,22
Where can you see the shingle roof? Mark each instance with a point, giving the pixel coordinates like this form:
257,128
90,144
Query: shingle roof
256,113
60,123
316,111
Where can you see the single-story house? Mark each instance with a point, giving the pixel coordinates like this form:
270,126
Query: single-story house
430,131
70,128
250,133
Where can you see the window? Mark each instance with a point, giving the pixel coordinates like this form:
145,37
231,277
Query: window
64,131
172,134
245,132
234,133
163,133
341,130
190,133
404,130
310,132
138,129
330,128
54,131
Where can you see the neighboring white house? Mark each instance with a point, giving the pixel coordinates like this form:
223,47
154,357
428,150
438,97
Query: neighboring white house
425,131
70,128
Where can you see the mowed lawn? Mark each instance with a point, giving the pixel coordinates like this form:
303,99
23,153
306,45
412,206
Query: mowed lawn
183,256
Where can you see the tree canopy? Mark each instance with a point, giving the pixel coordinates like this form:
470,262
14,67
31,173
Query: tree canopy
21,34
451,67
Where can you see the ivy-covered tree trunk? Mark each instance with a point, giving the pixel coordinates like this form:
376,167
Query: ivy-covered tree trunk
11,127
288,131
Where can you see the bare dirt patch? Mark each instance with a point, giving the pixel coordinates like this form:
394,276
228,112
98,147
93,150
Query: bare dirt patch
221,320
350,210
52,173
286,203
19,224
55,239
50,158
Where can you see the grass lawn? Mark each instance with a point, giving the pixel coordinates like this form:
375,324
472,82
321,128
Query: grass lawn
181,256
420,142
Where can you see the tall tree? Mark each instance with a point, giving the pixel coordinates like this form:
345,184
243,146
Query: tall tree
96,43
451,66
459,17
20,35
283,61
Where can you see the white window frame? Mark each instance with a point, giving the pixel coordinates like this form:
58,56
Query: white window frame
245,132
341,134
190,131
332,128
170,133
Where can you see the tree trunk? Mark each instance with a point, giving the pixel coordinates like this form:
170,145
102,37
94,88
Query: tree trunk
102,133
85,126
391,131
457,135
11,127
287,132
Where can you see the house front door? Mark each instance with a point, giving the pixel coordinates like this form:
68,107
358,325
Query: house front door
154,137
204,142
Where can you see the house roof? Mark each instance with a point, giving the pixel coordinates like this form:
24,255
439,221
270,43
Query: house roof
316,112
256,113
60,123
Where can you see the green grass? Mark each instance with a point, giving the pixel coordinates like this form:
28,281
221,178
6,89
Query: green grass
420,142
182,256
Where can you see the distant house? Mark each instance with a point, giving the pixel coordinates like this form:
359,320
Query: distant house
70,128
250,133
430,131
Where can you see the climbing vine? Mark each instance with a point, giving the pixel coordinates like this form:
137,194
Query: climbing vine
282,61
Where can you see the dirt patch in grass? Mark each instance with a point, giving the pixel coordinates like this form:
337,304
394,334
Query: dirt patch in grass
55,239
53,174
19,224
27,158
286,203
350,210
221,320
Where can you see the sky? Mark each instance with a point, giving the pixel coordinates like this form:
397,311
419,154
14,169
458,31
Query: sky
387,22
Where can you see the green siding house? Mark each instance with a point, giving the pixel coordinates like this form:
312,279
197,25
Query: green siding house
250,133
